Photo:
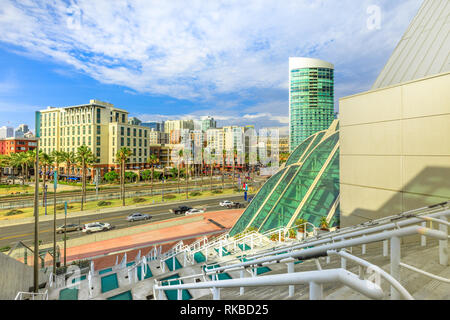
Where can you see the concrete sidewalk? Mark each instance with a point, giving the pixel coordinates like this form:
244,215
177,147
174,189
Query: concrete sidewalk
187,230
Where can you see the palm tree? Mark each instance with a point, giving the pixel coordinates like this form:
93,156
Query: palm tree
46,161
152,160
4,162
14,162
30,161
84,157
187,174
122,156
234,165
201,169
224,153
180,155
59,157
69,158
211,167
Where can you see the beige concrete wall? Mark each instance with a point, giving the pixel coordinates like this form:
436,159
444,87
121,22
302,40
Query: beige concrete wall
14,277
395,149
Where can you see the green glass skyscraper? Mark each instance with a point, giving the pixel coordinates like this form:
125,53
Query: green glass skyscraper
311,98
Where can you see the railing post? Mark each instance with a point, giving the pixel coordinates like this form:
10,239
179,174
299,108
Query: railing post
395,265
290,267
173,262
385,248
160,294
343,263
279,236
242,289
179,294
328,259
216,293
443,244
423,239
315,291
363,249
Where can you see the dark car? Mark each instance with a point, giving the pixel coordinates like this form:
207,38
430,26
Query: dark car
180,209
234,205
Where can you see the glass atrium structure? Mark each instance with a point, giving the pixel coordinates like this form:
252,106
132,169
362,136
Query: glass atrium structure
311,98
306,187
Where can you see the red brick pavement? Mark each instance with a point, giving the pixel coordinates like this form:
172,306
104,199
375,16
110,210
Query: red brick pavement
165,236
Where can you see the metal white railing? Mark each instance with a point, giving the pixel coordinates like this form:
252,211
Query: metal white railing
32,295
382,230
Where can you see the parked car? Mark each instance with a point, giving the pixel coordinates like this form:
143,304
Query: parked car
138,216
225,203
194,211
96,226
69,227
180,209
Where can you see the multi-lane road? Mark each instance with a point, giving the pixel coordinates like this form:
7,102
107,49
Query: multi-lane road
10,235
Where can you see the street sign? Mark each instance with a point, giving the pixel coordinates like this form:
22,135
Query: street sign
245,196
65,208
55,178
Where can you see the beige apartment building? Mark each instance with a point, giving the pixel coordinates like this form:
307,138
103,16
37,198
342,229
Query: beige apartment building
98,125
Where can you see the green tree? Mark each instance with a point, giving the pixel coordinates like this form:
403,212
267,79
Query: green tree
152,160
180,156
122,157
111,176
70,159
45,161
85,158
58,156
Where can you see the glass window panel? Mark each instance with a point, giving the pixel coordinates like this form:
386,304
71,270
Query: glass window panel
255,204
286,207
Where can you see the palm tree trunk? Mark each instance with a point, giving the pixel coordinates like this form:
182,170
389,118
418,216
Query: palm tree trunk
211,174
179,178
152,180
122,183
83,185
187,178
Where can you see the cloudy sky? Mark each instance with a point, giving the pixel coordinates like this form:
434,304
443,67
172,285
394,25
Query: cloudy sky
172,59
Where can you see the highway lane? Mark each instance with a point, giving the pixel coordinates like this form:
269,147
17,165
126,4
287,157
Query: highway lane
10,235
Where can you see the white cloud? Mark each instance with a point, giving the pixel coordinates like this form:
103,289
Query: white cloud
200,49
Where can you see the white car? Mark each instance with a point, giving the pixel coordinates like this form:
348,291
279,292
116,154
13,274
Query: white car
226,203
194,211
96,226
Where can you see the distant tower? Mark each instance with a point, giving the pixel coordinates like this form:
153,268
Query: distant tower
311,98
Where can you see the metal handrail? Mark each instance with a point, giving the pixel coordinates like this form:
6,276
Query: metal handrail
322,250
312,278
383,273
430,275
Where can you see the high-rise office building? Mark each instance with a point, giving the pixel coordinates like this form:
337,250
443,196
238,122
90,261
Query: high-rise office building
6,132
311,98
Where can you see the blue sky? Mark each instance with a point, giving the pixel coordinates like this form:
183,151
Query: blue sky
174,59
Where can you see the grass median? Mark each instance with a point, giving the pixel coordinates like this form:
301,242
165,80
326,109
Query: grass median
11,214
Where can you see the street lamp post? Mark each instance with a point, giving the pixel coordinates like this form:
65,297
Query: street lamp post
36,220
65,230
55,184
45,198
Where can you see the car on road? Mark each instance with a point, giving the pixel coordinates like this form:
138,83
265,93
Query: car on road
225,203
180,209
194,211
69,227
234,205
138,216
96,226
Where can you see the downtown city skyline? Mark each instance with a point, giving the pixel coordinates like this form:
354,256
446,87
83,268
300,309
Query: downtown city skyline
161,63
